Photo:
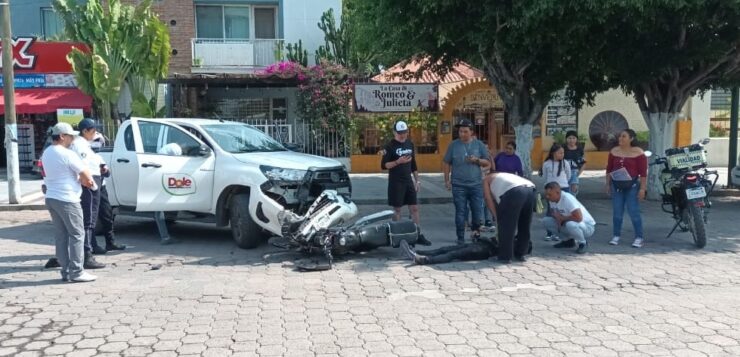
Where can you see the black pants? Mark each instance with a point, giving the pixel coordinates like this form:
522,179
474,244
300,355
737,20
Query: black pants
90,202
106,215
514,219
478,250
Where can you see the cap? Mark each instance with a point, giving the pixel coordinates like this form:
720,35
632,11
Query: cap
63,128
85,124
400,127
464,122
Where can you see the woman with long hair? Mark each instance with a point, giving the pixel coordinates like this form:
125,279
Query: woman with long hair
556,169
626,182
574,153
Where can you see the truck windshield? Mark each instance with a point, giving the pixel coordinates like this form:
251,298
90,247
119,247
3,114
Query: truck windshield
238,138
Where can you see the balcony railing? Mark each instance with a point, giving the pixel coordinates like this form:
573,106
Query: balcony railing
227,55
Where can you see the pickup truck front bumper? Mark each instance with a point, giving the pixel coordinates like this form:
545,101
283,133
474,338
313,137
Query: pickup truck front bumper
298,196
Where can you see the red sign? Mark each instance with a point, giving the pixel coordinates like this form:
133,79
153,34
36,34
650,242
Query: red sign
32,56
179,183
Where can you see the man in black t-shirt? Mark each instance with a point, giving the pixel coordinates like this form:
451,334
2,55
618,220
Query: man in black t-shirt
403,176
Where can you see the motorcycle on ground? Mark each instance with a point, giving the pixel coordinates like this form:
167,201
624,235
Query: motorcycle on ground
687,185
322,230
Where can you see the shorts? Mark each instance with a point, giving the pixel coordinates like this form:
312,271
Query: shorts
401,194
573,177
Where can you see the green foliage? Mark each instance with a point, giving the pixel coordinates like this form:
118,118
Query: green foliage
559,137
296,53
347,44
642,136
716,131
123,41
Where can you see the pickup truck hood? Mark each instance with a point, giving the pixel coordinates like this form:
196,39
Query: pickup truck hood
287,160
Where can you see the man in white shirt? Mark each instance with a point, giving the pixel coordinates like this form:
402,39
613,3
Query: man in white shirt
569,217
90,198
65,176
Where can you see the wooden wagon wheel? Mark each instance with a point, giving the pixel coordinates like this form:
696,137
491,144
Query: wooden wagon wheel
605,128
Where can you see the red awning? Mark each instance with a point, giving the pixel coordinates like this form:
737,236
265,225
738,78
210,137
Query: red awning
38,101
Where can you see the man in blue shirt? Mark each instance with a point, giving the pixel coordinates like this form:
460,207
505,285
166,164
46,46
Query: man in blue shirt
462,170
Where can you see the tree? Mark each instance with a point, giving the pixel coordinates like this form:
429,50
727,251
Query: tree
123,41
665,51
528,49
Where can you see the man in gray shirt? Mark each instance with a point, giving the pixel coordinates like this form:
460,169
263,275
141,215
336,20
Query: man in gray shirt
462,170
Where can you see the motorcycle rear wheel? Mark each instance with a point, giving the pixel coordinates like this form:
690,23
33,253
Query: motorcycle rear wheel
694,217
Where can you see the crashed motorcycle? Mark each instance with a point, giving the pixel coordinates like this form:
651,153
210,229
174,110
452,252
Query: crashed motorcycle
687,185
325,230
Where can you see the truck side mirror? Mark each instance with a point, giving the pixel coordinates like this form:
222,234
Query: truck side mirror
204,151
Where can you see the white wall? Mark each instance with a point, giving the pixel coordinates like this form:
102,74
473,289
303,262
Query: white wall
699,113
718,152
300,22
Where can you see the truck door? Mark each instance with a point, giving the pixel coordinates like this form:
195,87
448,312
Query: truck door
175,174
124,169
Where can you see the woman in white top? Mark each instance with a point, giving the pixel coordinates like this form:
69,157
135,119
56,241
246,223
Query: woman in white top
511,200
556,169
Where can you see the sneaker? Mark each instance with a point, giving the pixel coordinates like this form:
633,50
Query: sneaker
555,238
421,240
169,240
85,277
52,263
548,237
570,243
614,241
98,250
637,243
114,246
520,258
581,248
460,241
91,263
65,278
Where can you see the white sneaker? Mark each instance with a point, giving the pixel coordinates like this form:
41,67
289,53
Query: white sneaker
614,241
85,277
556,239
637,243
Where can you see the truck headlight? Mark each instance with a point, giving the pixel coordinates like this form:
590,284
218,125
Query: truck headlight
278,174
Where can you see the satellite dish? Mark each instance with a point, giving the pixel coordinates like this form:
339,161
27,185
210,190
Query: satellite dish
605,128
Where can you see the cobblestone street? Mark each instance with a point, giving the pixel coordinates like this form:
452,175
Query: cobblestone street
207,297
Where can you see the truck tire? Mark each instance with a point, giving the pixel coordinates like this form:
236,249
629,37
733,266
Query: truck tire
247,234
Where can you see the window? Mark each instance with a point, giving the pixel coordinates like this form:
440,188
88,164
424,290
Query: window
154,136
51,24
222,22
128,139
264,23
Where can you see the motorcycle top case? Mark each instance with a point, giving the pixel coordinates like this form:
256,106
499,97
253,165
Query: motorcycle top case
688,157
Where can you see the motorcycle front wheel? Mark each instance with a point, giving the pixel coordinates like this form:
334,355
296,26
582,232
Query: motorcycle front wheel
694,218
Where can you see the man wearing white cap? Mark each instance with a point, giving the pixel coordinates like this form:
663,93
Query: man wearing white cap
65,172
403,176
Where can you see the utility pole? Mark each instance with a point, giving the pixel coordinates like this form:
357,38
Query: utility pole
733,133
11,128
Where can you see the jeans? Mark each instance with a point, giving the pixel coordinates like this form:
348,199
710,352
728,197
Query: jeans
69,235
628,198
469,251
515,212
577,231
574,180
465,197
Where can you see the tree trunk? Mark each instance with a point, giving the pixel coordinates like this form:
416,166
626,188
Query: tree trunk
662,132
524,145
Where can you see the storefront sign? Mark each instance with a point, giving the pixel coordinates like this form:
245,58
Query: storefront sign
561,116
32,56
396,97
70,116
51,80
27,81
481,99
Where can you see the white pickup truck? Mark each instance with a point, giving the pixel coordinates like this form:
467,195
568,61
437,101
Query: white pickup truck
228,170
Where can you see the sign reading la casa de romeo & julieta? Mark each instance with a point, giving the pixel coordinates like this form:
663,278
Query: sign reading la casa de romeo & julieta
396,97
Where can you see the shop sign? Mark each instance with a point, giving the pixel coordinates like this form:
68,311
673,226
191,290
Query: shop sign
561,116
396,97
51,80
481,99
32,56
27,81
69,116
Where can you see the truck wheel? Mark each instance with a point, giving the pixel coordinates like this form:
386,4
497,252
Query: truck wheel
247,234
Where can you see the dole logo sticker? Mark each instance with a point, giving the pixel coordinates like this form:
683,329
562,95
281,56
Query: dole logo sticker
178,184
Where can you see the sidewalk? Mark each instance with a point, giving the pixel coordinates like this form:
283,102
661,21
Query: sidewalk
367,189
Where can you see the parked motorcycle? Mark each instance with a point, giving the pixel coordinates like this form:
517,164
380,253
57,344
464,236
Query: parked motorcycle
687,186
320,230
